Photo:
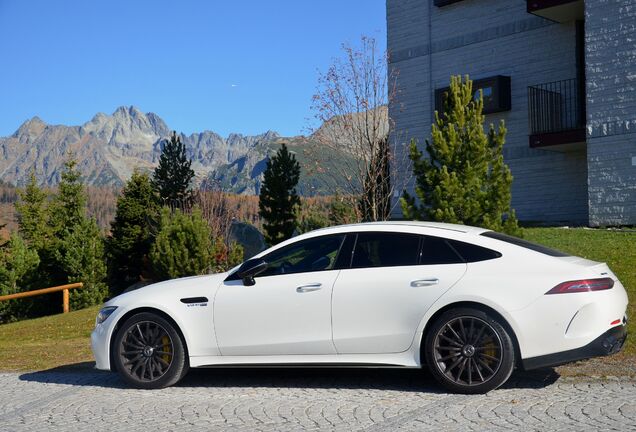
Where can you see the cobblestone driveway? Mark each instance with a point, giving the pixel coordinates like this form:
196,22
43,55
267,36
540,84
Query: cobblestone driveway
81,399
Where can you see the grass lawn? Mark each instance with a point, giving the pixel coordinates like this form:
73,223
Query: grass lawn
48,342
63,339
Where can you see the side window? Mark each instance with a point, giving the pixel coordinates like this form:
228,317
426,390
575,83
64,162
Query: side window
314,254
436,250
473,253
385,249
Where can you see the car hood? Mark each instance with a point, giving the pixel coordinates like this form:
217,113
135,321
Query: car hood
170,290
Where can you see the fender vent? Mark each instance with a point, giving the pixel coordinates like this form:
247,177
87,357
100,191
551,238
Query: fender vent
194,300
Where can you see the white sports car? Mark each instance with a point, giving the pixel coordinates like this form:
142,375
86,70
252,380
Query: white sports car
469,303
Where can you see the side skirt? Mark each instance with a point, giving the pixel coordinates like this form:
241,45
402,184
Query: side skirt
398,360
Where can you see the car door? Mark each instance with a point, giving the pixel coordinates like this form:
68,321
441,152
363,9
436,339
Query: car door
394,279
288,309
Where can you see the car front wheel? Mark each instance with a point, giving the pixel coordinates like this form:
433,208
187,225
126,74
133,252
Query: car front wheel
469,351
149,352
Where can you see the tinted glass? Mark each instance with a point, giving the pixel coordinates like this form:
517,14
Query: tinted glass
473,253
385,250
436,250
315,254
346,252
525,244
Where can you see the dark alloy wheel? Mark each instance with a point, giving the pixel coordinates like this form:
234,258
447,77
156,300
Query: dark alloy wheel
149,353
468,351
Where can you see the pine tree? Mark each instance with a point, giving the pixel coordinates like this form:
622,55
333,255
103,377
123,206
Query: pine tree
33,212
342,211
465,179
77,251
18,264
174,174
278,199
81,254
69,205
132,233
183,246
311,219
32,215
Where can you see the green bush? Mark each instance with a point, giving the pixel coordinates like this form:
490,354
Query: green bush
183,246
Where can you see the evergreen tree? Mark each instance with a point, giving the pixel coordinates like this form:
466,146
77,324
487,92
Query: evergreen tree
69,205
183,246
313,219
80,252
32,215
172,177
77,250
33,212
278,199
342,211
132,233
465,179
18,264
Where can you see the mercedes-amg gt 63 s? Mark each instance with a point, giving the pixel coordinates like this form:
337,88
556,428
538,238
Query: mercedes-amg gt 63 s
467,303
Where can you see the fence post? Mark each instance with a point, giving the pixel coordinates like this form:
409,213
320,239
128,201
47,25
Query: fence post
63,288
65,307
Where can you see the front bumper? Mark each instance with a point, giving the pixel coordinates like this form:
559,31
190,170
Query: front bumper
608,343
99,345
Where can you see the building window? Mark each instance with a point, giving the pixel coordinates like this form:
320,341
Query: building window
496,93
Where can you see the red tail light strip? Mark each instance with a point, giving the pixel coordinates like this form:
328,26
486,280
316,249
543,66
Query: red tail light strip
584,285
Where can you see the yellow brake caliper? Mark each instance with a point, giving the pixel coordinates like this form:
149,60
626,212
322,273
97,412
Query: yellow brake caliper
166,348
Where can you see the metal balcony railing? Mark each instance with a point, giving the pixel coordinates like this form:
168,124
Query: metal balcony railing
557,106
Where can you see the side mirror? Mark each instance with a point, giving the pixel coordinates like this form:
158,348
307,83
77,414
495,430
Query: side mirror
251,268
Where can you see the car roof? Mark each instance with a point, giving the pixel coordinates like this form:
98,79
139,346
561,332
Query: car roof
421,224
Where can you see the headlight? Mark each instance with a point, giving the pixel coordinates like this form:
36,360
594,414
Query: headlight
104,313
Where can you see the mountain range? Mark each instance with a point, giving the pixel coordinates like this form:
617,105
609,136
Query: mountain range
109,148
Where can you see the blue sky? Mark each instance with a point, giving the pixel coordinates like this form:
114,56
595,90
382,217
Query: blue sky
227,66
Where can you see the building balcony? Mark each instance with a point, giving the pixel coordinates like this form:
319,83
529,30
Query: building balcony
556,10
556,113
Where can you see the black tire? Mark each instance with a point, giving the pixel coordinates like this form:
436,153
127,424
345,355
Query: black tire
468,351
148,352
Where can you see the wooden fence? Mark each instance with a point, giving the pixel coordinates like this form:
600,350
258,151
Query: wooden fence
63,288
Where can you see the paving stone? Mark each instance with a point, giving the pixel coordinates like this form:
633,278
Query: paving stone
311,399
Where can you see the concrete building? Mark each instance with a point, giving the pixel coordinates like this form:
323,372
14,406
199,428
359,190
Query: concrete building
561,73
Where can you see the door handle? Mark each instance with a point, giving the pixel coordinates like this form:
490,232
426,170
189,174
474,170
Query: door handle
424,282
309,288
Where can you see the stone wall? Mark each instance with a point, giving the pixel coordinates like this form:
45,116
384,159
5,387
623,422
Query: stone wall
610,43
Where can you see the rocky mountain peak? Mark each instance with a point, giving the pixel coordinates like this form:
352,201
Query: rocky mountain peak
130,111
109,147
30,128
160,127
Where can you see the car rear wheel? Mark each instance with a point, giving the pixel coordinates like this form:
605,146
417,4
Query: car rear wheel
149,352
469,351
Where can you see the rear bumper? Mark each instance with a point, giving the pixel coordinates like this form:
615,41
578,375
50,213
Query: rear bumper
608,343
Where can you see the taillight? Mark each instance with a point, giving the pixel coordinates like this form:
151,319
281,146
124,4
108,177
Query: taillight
584,285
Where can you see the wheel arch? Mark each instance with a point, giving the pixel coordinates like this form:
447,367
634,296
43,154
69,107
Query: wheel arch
475,305
136,311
